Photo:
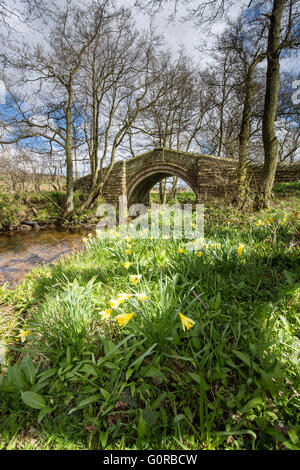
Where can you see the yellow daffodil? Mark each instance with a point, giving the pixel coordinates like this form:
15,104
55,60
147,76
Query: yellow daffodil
186,322
85,239
128,239
180,251
199,254
142,297
90,235
135,278
23,335
48,275
105,314
194,225
150,238
240,249
115,303
127,264
124,318
128,251
123,296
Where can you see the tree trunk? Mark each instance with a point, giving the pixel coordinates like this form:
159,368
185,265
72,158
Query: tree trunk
270,107
174,188
244,134
69,163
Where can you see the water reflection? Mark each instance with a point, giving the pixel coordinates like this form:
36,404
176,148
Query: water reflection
21,251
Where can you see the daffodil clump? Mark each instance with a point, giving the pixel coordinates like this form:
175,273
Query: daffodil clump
123,318
144,341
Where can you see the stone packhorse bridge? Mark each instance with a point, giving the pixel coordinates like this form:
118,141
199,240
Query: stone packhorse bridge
205,174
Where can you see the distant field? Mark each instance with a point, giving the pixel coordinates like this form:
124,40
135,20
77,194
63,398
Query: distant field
27,183
182,197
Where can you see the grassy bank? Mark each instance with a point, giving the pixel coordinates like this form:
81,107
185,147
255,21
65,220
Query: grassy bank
43,208
222,375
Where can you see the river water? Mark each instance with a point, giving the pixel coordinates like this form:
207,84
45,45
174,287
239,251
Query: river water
21,251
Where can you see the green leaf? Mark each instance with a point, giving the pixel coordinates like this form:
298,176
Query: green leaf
217,301
182,358
34,400
129,373
69,357
17,377
103,438
253,403
179,417
188,413
110,349
86,402
47,374
147,353
37,387
158,400
293,436
150,416
88,369
142,426
29,369
200,380
105,393
246,359
44,411
153,372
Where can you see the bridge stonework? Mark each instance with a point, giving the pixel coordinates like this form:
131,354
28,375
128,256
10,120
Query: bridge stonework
207,175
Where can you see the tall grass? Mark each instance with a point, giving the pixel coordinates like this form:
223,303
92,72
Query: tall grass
228,382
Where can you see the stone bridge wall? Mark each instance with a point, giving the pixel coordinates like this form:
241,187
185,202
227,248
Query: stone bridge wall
206,175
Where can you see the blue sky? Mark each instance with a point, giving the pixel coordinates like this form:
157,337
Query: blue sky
181,32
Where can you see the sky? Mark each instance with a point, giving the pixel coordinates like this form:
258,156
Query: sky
177,33
180,32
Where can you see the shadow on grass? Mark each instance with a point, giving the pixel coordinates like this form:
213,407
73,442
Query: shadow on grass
230,376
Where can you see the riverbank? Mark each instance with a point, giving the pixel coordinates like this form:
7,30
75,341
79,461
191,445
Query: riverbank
142,344
25,211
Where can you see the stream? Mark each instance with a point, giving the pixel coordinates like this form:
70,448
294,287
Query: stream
22,251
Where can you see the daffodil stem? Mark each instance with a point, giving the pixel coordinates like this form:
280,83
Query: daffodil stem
199,300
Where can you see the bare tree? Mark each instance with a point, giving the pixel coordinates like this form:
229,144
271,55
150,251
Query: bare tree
281,20
49,113
117,84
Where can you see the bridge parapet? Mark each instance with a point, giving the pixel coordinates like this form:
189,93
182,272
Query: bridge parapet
207,175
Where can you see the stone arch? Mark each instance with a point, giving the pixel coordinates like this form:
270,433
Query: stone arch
140,185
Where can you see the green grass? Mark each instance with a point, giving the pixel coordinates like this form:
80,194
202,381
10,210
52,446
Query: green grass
182,197
44,208
229,382
288,188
